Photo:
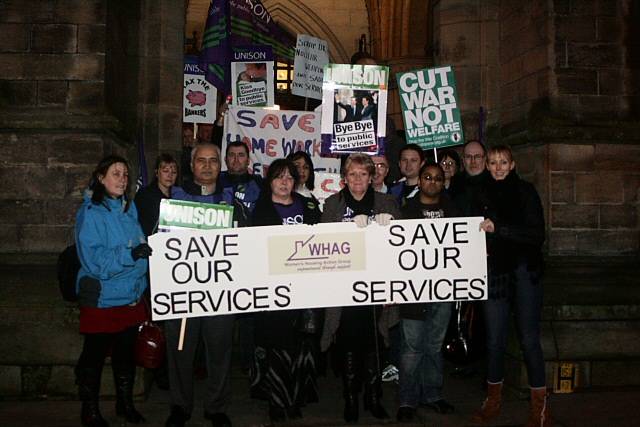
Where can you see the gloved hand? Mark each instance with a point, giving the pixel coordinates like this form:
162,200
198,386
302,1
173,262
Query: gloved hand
141,251
361,220
383,219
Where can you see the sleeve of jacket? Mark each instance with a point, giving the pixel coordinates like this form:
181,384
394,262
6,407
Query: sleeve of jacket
532,230
387,204
331,207
99,260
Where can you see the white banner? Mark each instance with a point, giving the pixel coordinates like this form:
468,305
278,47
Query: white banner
198,273
312,54
274,134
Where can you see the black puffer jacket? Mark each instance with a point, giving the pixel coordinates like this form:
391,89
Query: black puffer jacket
516,210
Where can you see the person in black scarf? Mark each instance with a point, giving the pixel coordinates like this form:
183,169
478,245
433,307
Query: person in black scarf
515,232
354,328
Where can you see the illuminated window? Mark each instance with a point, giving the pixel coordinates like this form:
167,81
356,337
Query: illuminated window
284,76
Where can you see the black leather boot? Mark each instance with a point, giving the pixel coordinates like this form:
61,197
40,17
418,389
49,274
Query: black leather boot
351,386
88,380
373,388
124,377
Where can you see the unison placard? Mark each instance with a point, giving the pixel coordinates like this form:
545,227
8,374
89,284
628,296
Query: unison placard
203,273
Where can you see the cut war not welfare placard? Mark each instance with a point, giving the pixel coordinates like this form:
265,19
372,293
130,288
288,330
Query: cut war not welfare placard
212,272
430,108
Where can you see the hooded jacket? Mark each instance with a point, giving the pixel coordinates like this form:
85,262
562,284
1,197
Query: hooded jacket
105,235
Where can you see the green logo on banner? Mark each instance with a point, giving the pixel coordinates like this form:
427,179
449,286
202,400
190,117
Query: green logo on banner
201,216
429,107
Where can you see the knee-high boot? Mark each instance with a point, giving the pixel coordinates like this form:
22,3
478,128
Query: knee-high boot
124,376
373,387
351,386
88,380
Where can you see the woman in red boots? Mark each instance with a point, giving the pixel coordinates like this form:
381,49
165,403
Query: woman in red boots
515,232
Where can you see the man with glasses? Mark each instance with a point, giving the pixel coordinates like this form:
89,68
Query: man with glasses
467,188
382,170
423,325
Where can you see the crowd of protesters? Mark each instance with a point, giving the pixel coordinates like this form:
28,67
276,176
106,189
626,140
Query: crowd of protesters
283,351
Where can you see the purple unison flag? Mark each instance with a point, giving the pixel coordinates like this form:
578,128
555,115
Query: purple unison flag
236,23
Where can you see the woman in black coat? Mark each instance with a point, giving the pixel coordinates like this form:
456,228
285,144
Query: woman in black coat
515,232
285,366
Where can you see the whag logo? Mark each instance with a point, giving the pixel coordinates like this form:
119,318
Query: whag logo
308,249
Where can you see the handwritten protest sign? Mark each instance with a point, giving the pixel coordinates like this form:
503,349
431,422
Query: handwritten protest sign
308,64
252,76
176,214
354,108
274,134
210,272
325,185
199,96
430,108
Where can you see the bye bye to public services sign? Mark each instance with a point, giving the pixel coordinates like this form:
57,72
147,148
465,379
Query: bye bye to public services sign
430,108
210,272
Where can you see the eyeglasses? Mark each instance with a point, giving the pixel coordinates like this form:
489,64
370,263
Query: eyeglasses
476,157
447,163
381,165
429,178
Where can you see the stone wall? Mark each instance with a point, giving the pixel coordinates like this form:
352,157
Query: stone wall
58,59
52,56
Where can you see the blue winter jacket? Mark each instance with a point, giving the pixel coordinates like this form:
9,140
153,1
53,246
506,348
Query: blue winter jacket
105,235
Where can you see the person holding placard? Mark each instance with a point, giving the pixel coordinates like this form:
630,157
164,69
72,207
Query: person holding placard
423,326
355,329
113,276
515,233
286,372
148,199
215,331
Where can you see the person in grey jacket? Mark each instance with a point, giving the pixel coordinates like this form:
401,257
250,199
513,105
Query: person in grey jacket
354,328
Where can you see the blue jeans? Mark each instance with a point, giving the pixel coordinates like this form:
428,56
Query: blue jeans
421,364
527,299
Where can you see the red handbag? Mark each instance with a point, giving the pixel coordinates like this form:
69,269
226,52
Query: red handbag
150,346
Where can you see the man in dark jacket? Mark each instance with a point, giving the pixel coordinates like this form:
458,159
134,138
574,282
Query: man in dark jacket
215,331
467,189
423,325
244,186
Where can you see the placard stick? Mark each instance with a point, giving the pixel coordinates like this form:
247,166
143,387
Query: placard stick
435,154
183,327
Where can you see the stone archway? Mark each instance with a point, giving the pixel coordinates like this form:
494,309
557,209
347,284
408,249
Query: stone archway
340,28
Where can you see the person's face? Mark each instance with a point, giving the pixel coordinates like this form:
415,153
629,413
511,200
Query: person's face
382,169
353,102
166,174
357,179
237,160
410,164
499,165
282,185
303,170
115,180
449,166
365,102
187,137
206,165
431,181
204,132
473,157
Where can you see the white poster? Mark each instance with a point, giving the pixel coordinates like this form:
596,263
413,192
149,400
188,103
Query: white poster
252,77
209,272
312,54
274,134
199,96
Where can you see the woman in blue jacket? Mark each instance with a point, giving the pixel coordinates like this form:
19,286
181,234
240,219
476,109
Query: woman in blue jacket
113,256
